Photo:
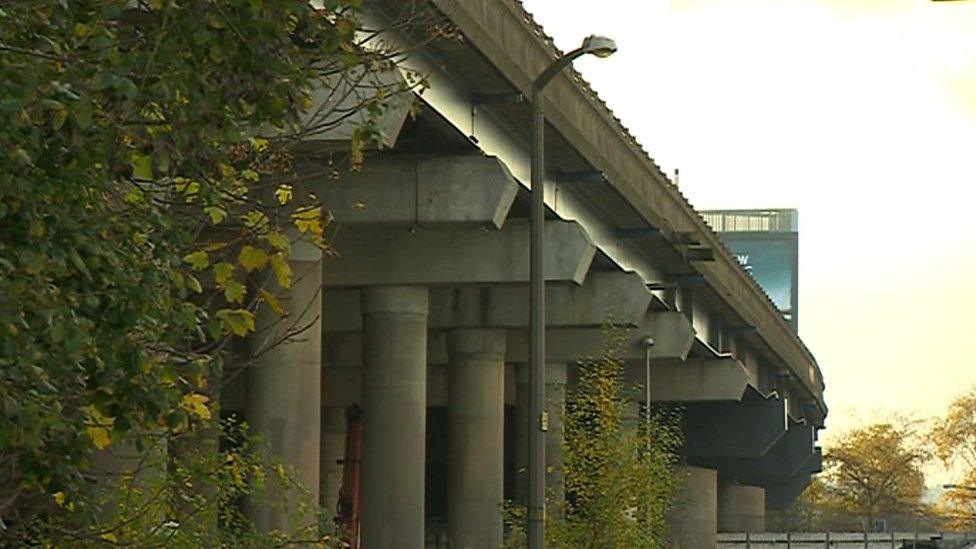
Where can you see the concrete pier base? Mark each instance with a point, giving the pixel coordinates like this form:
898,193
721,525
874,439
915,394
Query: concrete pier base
475,424
394,386
741,508
693,522
284,389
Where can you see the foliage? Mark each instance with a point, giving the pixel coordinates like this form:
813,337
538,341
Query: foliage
954,439
870,472
148,205
619,477
149,508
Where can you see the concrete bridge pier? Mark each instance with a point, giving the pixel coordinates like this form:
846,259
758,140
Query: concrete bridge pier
475,434
693,519
741,508
333,451
394,385
284,386
556,410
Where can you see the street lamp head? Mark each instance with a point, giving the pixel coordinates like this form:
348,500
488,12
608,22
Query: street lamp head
600,46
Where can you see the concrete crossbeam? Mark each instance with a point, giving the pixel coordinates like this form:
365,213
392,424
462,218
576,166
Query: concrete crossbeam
790,455
746,429
409,191
456,255
672,334
693,380
620,296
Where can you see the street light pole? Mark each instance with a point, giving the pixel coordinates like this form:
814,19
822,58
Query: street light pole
538,422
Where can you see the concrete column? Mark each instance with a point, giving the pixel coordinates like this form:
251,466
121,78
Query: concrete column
741,508
333,450
521,433
394,416
284,388
556,410
693,521
475,436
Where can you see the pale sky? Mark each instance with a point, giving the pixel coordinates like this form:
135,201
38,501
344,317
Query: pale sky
859,113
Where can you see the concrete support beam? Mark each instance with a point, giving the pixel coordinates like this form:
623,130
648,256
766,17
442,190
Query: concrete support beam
622,297
741,508
556,410
789,455
694,380
672,336
453,255
693,521
394,382
781,495
746,429
410,191
475,436
284,386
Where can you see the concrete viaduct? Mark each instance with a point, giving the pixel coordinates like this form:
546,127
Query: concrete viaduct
422,318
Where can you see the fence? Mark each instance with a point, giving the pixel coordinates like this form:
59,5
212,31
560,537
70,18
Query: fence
839,540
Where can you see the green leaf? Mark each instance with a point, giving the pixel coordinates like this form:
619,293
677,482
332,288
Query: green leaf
282,270
217,214
238,321
279,241
198,260
222,272
141,166
252,258
234,291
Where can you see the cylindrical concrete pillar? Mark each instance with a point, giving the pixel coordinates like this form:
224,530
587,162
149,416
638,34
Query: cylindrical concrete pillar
475,437
333,451
556,410
521,488
394,385
284,387
693,520
741,508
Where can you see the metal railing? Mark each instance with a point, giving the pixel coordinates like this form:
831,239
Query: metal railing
766,221
851,540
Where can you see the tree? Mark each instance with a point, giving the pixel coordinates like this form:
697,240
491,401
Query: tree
954,438
872,472
148,205
620,478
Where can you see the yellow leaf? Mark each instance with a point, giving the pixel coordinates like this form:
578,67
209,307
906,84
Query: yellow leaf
100,437
279,241
308,220
238,321
216,213
198,260
98,427
252,258
109,536
196,404
234,291
282,270
222,272
284,194
59,498
272,302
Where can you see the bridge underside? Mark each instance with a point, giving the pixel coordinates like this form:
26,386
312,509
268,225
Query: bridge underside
421,320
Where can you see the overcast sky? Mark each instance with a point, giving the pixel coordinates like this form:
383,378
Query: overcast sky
859,113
